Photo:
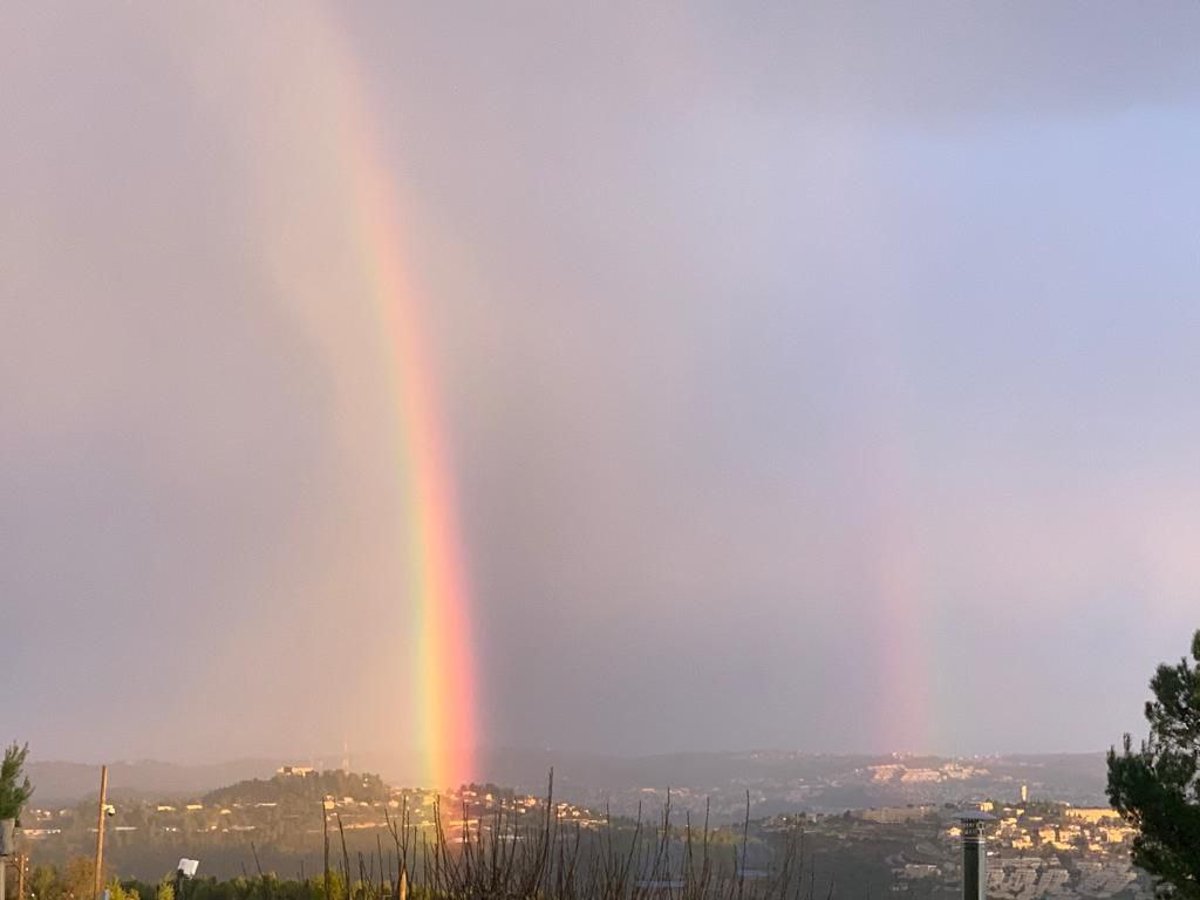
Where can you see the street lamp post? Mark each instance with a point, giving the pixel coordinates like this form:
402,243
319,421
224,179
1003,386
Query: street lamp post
974,854
185,870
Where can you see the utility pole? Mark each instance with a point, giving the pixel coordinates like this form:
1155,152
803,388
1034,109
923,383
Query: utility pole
100,832
22,864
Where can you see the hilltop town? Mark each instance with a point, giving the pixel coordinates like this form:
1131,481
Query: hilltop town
1036,848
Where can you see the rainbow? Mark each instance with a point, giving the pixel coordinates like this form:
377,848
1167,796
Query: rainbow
444,673
898,580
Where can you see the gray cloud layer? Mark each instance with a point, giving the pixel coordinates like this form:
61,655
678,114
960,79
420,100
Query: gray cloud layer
794,361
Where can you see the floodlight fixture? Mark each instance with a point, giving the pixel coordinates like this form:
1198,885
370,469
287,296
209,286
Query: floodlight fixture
974,815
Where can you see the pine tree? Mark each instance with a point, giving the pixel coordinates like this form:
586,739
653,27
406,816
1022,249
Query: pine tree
1156,788
14,788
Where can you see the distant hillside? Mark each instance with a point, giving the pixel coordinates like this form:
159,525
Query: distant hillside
782,781
815,781
1073,773
306,790
527,768
65,783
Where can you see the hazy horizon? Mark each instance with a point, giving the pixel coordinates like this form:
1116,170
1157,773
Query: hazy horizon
366,759
820,378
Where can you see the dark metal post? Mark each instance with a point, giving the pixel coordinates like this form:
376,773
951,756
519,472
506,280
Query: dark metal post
974,855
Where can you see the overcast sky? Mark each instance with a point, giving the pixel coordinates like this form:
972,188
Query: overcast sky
816,376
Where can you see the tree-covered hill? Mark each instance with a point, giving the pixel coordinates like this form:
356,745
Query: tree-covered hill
304,787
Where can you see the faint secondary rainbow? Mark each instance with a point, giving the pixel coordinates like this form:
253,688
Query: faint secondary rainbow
898,580
437,583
